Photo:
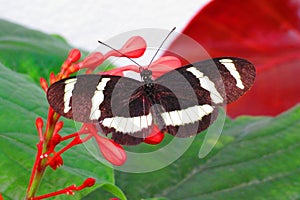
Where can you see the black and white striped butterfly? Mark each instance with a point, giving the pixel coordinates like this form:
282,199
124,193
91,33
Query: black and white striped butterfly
182,102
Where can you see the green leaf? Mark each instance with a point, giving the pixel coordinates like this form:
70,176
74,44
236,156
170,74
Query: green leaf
107,190
34,53
255,158
21,102
31,52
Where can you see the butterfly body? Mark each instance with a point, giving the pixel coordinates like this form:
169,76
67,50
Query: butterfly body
182,102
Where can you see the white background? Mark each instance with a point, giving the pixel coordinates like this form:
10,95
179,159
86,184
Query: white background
83,23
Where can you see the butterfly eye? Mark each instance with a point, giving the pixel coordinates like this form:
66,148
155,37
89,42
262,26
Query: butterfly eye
146,76
146,73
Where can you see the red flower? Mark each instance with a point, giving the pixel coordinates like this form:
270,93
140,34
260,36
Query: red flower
133,48
155,137
44,84
264,32
164,65
89,182
73,56
112,151
56,162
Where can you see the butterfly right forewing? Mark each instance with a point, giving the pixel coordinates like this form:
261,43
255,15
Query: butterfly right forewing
234,76
192,94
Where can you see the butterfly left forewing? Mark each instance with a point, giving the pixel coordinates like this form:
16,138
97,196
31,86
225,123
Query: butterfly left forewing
116,104
73,97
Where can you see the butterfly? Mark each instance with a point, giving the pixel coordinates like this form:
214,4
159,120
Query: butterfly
182,102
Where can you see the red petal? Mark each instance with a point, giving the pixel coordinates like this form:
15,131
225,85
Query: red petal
264,32
158,67
133,48
92,61
119,71
155,137
52,78
164,65
44,84
112,152
39,123
89,182
56,162
55,140
73,56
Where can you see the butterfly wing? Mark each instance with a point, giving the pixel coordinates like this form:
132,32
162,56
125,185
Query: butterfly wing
187,107
231,77
115,103
182,102
191,94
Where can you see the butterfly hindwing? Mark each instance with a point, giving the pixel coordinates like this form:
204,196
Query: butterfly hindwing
188,108
130,120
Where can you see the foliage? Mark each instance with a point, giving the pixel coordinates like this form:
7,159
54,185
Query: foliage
255,158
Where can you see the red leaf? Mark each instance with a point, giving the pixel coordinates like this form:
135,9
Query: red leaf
265,32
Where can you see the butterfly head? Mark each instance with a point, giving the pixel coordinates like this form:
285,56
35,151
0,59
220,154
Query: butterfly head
146,75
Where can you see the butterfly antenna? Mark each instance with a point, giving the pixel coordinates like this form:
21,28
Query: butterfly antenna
120,53
161,46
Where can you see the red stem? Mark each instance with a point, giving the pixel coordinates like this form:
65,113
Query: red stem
67,191
74,142
40,164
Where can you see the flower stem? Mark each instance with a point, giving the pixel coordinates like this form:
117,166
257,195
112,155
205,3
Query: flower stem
40,164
